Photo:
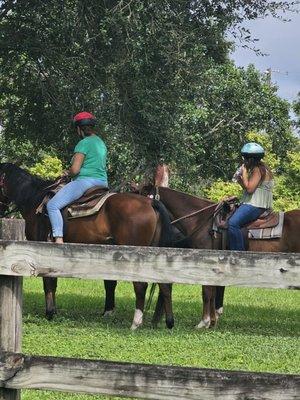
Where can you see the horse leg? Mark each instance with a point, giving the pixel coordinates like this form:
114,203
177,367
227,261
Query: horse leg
110,287
219,299
166,290
207,296
159,310
50,285
140,295
214,316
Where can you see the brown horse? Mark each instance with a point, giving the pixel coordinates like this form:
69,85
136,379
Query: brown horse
198,229
125,219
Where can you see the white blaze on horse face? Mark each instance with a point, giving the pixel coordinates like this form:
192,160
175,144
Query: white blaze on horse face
137,319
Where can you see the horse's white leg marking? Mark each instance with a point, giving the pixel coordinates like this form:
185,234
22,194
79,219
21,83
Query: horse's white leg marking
137,319
204,323
108,313
219,311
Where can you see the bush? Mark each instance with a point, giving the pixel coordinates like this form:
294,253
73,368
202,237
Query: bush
48,168
221,189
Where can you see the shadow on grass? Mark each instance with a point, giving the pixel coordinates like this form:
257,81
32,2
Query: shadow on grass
243,319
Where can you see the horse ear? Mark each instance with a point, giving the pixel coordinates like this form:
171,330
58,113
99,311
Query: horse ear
161,177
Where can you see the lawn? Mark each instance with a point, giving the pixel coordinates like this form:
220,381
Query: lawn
259,330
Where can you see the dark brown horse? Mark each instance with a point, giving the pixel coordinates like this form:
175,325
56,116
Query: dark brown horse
198,229
125,219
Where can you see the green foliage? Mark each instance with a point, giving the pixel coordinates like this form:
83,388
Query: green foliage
211,129
48,168
156,74
221,189
287,184
296,108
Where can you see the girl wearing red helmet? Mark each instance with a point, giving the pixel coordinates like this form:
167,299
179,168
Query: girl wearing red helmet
88,169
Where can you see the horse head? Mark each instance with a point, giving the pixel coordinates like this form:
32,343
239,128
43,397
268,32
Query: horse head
144,189
151,189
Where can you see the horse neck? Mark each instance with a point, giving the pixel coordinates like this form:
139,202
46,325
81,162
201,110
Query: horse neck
179,203
197,227
25,190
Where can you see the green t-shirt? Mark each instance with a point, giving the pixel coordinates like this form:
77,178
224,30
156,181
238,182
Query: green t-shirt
94,163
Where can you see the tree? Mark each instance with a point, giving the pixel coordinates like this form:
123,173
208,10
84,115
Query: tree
214,125
296,108
136,65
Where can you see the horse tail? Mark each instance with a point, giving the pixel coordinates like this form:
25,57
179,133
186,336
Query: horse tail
167,232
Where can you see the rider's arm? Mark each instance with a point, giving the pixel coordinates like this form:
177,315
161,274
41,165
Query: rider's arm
250,184
76,164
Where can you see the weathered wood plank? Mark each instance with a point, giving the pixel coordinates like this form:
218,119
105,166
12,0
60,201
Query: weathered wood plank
10,322
209,267
143,381
11,303
12,229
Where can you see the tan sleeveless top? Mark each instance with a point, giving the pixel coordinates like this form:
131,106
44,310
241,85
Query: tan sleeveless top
261,197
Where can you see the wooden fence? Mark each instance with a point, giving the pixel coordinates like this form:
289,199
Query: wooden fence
18,371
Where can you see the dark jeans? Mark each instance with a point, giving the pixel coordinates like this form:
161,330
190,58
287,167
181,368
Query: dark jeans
242,216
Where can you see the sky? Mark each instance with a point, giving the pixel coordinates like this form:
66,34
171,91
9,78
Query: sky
281,41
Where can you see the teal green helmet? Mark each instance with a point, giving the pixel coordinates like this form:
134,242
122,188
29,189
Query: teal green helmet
253,150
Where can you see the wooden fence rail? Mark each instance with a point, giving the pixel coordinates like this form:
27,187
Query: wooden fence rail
132,263
18,371
141,380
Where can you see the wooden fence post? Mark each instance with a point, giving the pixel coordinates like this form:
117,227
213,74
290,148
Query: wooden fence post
11,303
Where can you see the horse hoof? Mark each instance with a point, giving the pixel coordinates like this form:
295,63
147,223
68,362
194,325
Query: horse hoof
213,324
108,313
203,324
137,319
219,311
170,323
134,327
50,315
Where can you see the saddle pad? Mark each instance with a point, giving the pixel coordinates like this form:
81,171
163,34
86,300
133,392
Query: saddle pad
84,212
268,233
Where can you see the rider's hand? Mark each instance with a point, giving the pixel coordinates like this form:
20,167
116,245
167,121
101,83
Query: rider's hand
65,173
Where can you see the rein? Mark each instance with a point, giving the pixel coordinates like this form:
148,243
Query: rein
199,226
194,213
157,196
62,179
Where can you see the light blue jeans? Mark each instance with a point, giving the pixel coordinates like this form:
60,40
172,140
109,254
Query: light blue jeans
69,193
242,216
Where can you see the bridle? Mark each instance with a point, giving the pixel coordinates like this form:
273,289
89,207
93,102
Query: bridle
211,206
6,201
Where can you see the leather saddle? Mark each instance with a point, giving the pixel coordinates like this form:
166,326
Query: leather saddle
90,203
268,219
90,197
261,228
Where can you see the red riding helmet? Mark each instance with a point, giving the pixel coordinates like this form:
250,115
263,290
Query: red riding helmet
84,118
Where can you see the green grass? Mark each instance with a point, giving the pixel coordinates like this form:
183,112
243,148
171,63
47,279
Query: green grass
259,330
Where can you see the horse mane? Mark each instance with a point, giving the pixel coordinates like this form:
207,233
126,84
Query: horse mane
191,196
26,190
